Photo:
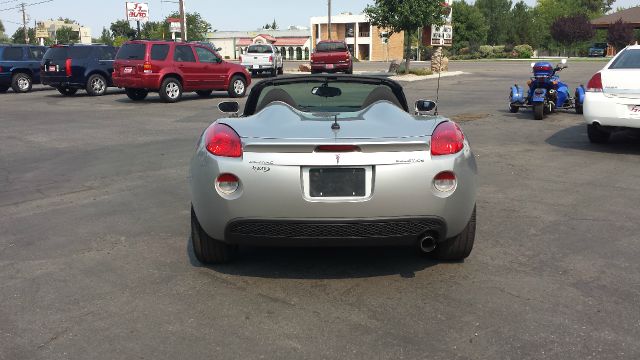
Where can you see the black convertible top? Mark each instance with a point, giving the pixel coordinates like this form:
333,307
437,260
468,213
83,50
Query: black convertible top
251,106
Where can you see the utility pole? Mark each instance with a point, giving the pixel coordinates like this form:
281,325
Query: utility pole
24,24
329,17
183,21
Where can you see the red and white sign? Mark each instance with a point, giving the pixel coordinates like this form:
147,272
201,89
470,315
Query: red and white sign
137,11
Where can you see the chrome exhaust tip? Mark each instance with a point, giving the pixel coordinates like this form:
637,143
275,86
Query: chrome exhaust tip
427,243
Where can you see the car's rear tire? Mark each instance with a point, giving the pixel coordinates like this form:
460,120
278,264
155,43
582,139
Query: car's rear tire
207,249
67,91
578,106
136,94
204,93
96,85
274,72
171,90
21,82
237,86
349,70
513,109
597,134
538,111
458,247
281,70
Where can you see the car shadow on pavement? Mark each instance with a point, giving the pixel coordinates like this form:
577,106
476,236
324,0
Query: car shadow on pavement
83,94
575,137
154,98
522,114
321,263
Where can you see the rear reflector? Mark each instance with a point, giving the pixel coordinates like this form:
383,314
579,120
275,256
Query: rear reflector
227,183
337,148
595,83
447,139
445,181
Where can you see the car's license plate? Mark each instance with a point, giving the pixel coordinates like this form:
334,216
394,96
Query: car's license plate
52,68
634,110
329,66
127,70
255,66
337,182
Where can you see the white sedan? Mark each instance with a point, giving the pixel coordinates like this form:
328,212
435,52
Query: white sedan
612,99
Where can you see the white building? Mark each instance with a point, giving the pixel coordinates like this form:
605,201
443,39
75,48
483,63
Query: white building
294,44
84,33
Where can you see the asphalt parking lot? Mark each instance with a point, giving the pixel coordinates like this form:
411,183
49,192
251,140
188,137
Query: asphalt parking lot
95,260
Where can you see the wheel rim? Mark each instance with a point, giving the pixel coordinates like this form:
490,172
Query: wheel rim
97,85
238,86
172,90
23,83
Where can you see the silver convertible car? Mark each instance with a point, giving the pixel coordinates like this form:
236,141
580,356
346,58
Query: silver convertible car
332,160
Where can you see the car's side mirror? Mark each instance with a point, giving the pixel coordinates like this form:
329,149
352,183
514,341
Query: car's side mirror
229,107
424,106
218,49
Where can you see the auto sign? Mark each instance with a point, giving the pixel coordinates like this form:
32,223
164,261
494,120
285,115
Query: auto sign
137,11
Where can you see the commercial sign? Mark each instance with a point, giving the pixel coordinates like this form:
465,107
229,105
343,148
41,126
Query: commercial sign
42,33
137,11
174,25
441,35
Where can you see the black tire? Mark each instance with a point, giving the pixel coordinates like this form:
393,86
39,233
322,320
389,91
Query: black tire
207,249
597,134
171,90
349,71
237,86
253,73
67,91
513,109
3,89
96,85
204,93
578,105
458,247
538,111
281,70
21,82
136,94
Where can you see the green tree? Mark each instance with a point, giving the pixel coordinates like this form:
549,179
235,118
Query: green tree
155,30
468,24
66,20
122,28
545,13
569,30
197,27
520,32
18,36
106,37
274,25
397,16
1,27
66,35
597,7
497,14
119,40
620,34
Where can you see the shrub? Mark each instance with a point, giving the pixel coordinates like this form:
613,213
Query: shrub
523,51
464,51
486,50
419,72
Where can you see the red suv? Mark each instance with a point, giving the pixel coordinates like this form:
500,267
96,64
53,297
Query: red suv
331,56
172,68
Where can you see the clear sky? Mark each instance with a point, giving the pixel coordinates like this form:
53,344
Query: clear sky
222,14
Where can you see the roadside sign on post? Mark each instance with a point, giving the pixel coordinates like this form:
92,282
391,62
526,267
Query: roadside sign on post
137,11
42,33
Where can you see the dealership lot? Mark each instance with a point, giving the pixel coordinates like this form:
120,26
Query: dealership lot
95,260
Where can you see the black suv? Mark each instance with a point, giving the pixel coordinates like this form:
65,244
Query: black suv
72,67
20,66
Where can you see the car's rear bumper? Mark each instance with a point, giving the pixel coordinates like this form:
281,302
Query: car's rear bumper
611,111
257,67
61,82
140,81
5,79
331,67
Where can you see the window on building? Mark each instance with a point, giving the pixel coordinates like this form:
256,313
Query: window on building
349,30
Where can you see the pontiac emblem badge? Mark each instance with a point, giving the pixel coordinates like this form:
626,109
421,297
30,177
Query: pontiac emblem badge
337,159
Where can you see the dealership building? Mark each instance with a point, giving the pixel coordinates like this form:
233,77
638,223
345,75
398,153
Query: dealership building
294,44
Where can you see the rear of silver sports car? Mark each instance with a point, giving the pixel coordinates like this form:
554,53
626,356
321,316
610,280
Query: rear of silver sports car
329,183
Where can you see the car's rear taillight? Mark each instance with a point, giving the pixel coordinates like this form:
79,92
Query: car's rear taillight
146,67
227,183
222,140
270,58
67,67
445,181
595,83
447,139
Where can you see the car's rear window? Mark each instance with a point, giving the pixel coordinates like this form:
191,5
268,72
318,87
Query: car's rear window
159,51
331,46
131,52
260,49
12,53
628,59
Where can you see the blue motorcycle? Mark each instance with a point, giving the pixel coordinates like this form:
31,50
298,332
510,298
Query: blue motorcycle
546,92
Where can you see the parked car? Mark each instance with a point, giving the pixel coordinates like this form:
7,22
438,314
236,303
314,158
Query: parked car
612,100
172,68
598,50
325,160
20,66
69,68
262,57
331,56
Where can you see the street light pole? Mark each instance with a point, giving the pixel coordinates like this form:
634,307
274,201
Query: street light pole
183,21
24,24
329,17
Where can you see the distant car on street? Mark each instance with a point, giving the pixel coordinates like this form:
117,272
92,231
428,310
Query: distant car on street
69,68
612,100
20,66
331,56
598,50
262,57
172,68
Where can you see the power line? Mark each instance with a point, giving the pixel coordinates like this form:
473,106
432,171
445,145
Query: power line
26,5
8,1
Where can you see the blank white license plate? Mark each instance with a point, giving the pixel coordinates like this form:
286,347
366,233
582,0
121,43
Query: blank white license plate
256,66
52,68
329,66
128,70
634,110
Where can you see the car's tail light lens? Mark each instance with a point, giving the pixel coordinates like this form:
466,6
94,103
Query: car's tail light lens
222,140
337,148
447,139
67,67
445,181
227,183
146,67
270,58
595,83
